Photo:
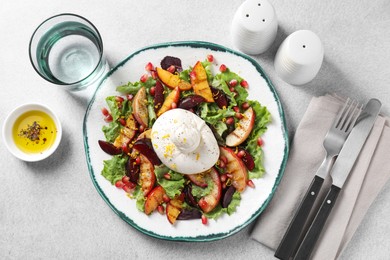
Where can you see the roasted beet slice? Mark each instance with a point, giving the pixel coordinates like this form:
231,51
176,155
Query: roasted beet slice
187,214
132,170
109,148
145,147
191,101
219,98
248,160
168,61
227,196
158,96
189,198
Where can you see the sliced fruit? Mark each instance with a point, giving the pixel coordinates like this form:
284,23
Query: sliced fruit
140,107
173,97
126,134
243,129
236,168
191,102
145,147
158,95
145,134
109,148
198,179
210,201
199,82
172,80
154,199
219,97
132,169
147,178
172,213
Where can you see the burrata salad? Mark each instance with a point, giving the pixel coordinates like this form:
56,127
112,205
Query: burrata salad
185,142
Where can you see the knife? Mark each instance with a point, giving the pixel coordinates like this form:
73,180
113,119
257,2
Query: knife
340,171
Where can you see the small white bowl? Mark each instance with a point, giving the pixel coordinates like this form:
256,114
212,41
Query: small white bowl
8,138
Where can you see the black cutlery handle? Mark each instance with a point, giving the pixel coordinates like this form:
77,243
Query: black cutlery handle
290,239
312,235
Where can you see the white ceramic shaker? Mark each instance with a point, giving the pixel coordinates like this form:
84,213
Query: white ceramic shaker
299,57
254,26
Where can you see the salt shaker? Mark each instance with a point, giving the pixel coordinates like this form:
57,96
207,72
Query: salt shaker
299,57
254,26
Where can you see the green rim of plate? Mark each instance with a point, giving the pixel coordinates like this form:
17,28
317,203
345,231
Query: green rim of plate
211,237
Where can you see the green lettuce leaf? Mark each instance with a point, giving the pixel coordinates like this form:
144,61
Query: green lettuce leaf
199,192
263,118
111,131
174,185
129,88
114,169
113,107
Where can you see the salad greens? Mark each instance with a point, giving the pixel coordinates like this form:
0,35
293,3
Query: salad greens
124,167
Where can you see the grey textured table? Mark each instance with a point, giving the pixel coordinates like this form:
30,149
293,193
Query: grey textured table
51,210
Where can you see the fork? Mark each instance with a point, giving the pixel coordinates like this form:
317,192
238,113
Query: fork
333,142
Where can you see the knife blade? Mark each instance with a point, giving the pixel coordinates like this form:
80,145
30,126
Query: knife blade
340,171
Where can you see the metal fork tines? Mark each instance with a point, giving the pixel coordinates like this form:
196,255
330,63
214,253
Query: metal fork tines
333,142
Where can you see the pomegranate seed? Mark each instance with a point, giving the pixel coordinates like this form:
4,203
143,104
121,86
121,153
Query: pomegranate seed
244,84
160,209
260,141
224,185
203,203
222,164
222,68
229,175
126,180
131,185
125,148
130,97
171,69
245,105
192,75
224,159
167,176
230,121
141,128
204,220
119,184
241,154
236,109
127,189
250,184
144,78
152,91
223,178
138,160
233,83
149,67
108,118
173,105
154,74
119,99
239,116
122,121
105,111
210,58
232,89
166,199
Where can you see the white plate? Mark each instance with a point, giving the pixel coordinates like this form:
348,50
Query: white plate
253,201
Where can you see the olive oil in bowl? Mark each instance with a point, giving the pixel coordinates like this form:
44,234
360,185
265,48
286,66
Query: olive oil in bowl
34,132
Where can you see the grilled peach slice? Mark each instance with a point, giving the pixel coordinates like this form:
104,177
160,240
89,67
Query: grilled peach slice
140,107
173,97
154,198
172,80
236,168
172,213
127,133
199,82
147,178
242,131
198,179
210,201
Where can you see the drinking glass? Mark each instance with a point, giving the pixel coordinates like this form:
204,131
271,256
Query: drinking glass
67,50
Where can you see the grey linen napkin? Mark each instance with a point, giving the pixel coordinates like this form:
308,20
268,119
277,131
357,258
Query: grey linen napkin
371,171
